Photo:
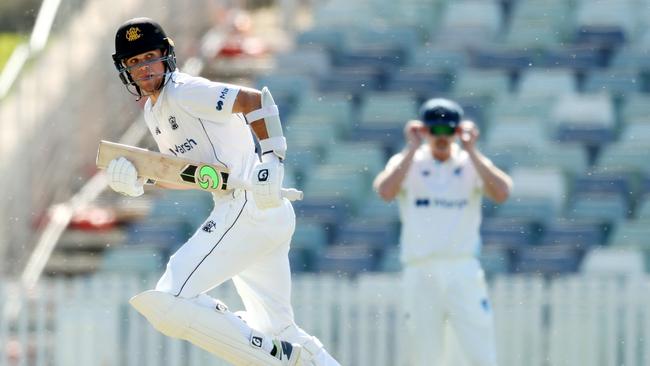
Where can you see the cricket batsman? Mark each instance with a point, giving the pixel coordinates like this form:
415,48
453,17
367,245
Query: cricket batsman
246,237
439,184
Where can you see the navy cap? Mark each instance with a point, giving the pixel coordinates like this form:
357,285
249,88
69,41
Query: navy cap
440,111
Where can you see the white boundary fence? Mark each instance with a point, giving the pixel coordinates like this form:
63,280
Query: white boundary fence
567,321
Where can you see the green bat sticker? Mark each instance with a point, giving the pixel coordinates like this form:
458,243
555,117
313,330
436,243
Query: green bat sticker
208,175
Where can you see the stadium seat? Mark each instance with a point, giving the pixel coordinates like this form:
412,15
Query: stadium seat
580,234
308,61
366,158
538,24
383,57
335,108
529,134
632,233
610,181
643,208
342,14
169,233
543,187
390,260
623,156
348,260
303,157
360,231
439,58
354,81
313,134
586,118
544,82
189,206
469,23
146,259
392,109
635,108
398,39
287,87
578,57
523,107
323,38
338,183
636,134
375,209
610,207
613,81
613,261
511,232
616,15
531,207
631,58
502,58
488,83
570,158
547,260
495,259
323,210
308,242
421,81
606,37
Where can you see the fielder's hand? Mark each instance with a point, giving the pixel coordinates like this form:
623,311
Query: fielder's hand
123,177
267,182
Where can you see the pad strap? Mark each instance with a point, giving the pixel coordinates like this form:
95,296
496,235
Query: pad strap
268,111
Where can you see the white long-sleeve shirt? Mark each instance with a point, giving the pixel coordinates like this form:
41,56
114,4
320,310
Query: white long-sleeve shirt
193,119
440,206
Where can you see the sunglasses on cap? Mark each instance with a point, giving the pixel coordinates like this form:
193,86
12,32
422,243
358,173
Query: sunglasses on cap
442,130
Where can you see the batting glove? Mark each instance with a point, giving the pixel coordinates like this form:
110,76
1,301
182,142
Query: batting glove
267,182
123,177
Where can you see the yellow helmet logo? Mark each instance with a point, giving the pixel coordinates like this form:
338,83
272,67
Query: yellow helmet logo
133,33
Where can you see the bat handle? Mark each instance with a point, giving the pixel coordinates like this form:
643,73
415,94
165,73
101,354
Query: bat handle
292,194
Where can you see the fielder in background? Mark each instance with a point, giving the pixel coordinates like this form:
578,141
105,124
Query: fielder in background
246,237
439,186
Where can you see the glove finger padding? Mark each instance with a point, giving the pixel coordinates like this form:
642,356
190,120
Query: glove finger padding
123,177
267,183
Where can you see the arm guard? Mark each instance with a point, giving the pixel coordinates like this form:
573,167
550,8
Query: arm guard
275,143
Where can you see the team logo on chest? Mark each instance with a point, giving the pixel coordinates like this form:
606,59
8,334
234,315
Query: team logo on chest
172,122
458,171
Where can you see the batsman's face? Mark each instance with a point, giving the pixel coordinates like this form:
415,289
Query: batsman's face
146,70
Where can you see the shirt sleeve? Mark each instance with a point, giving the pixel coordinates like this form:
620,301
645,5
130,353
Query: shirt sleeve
208,100
394,160
392,163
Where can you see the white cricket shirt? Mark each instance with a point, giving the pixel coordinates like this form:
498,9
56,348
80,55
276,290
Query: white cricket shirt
193,119
440,206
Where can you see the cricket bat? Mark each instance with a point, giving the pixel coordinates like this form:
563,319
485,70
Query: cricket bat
174,170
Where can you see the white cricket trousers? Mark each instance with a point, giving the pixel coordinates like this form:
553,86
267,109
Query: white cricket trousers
453,290
249,245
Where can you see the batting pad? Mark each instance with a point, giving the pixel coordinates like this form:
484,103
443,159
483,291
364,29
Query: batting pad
210,329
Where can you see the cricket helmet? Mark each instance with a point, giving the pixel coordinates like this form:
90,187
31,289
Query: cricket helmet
139,35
